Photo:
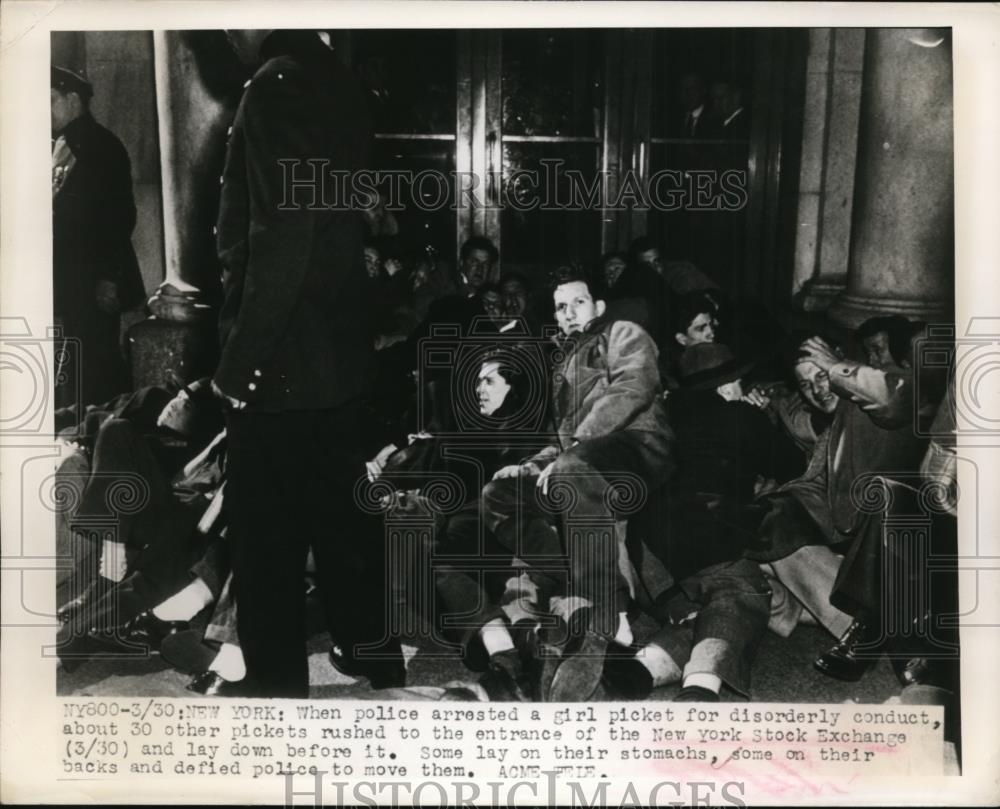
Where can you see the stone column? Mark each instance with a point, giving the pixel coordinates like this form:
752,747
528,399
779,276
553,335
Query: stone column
197,87
903,229
195,108
829,152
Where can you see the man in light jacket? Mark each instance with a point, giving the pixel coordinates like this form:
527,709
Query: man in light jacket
612,448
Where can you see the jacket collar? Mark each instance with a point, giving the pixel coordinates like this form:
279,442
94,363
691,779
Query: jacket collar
596,325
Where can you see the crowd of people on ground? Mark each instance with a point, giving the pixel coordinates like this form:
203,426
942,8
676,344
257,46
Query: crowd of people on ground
620,437
634,374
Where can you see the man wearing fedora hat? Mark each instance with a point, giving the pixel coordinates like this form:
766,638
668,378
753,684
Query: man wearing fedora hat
724,446
95,272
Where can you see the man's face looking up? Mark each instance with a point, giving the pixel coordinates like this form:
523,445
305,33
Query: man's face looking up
575,306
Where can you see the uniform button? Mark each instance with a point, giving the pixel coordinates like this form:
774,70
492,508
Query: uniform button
215,230
229,132
252,386
222,180
256,372
281,76
247,83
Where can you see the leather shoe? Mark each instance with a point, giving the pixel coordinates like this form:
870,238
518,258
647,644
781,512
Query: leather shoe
211,684
846,660
577,677
505,680
147,629
624,675
388,672
75,610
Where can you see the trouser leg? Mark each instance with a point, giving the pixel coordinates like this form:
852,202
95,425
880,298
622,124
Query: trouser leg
732,601
348,542
461,565
516,515
268,547
222,625
593,475
809,573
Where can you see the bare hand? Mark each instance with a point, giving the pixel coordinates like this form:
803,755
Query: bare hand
517,470
423,435
821,353
757,397
107,297
236,404
543,479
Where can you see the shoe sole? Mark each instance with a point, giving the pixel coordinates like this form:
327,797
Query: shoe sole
577,678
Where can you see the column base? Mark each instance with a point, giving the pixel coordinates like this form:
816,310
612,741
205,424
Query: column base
159,348
817,295
852,310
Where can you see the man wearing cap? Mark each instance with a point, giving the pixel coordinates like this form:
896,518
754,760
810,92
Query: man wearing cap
296,365
723,447
95,272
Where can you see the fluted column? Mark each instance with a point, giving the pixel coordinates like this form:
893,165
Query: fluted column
903,232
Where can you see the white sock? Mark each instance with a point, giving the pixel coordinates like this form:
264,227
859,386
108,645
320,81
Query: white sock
228,663
624,634
704,680
520,610
113,562
495,637
186,604
520,587
565,606
659,664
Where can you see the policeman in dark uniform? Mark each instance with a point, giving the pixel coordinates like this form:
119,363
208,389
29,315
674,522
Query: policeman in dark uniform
296,362
95,272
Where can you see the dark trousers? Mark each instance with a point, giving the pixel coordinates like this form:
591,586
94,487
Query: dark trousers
127,498
290,487
470,567
591,486
733,603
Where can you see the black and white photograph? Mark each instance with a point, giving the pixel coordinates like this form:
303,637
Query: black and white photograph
508,365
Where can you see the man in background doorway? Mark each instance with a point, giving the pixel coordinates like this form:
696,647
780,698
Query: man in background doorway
94,268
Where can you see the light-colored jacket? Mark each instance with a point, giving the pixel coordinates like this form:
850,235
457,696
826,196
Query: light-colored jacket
605,380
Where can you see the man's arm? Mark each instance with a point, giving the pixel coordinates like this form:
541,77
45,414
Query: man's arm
278,122
885,396
633,386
